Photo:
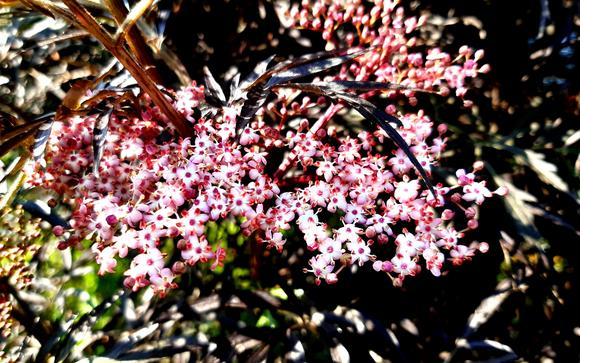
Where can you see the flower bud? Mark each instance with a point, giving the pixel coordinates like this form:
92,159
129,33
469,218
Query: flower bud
112,220
502,191
377,265
178,268
485,68
387,266
455,198
447,214
478,165
472,224
470,212
331,278
58,230
484,247
129,282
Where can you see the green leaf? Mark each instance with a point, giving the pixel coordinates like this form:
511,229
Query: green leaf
266,320
278,293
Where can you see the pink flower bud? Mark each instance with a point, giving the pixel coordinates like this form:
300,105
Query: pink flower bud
377,265
472,224
370,232
112,220
387,266
134,217
484,247
479,54
486,68
129,282
442,129
447,214
502,191
58,231
331,278
178,268
478,165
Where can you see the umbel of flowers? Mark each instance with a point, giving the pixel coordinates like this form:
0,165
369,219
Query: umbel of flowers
150,188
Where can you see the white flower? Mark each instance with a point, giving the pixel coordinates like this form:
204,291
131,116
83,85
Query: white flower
476,192
360,252
331,249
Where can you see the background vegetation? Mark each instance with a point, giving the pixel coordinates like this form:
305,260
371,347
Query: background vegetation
519,302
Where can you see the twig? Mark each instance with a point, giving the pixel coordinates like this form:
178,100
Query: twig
80,17
133,37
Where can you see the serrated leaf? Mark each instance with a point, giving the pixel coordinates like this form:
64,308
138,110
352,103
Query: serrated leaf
311,68
545,170
516,202
19,131
259,70
310,64
131,340
13,167
369,86
487,307
100,132
41,140
256,98
7,122
233,87
64,344
213,89
488,344
339,354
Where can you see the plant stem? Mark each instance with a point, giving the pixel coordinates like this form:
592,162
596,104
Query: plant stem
134,39
86,21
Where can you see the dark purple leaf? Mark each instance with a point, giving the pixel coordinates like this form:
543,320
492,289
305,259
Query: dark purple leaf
100,132
214,92
41,139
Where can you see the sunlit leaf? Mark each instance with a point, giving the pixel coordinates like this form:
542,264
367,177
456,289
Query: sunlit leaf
132,18
545,170
266,320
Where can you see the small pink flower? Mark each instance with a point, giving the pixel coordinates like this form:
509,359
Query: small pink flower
477,192
359,251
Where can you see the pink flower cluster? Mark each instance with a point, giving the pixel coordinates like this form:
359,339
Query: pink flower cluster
383,25
354,201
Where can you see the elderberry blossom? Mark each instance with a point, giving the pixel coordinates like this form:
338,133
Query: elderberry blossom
383,24
350,196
